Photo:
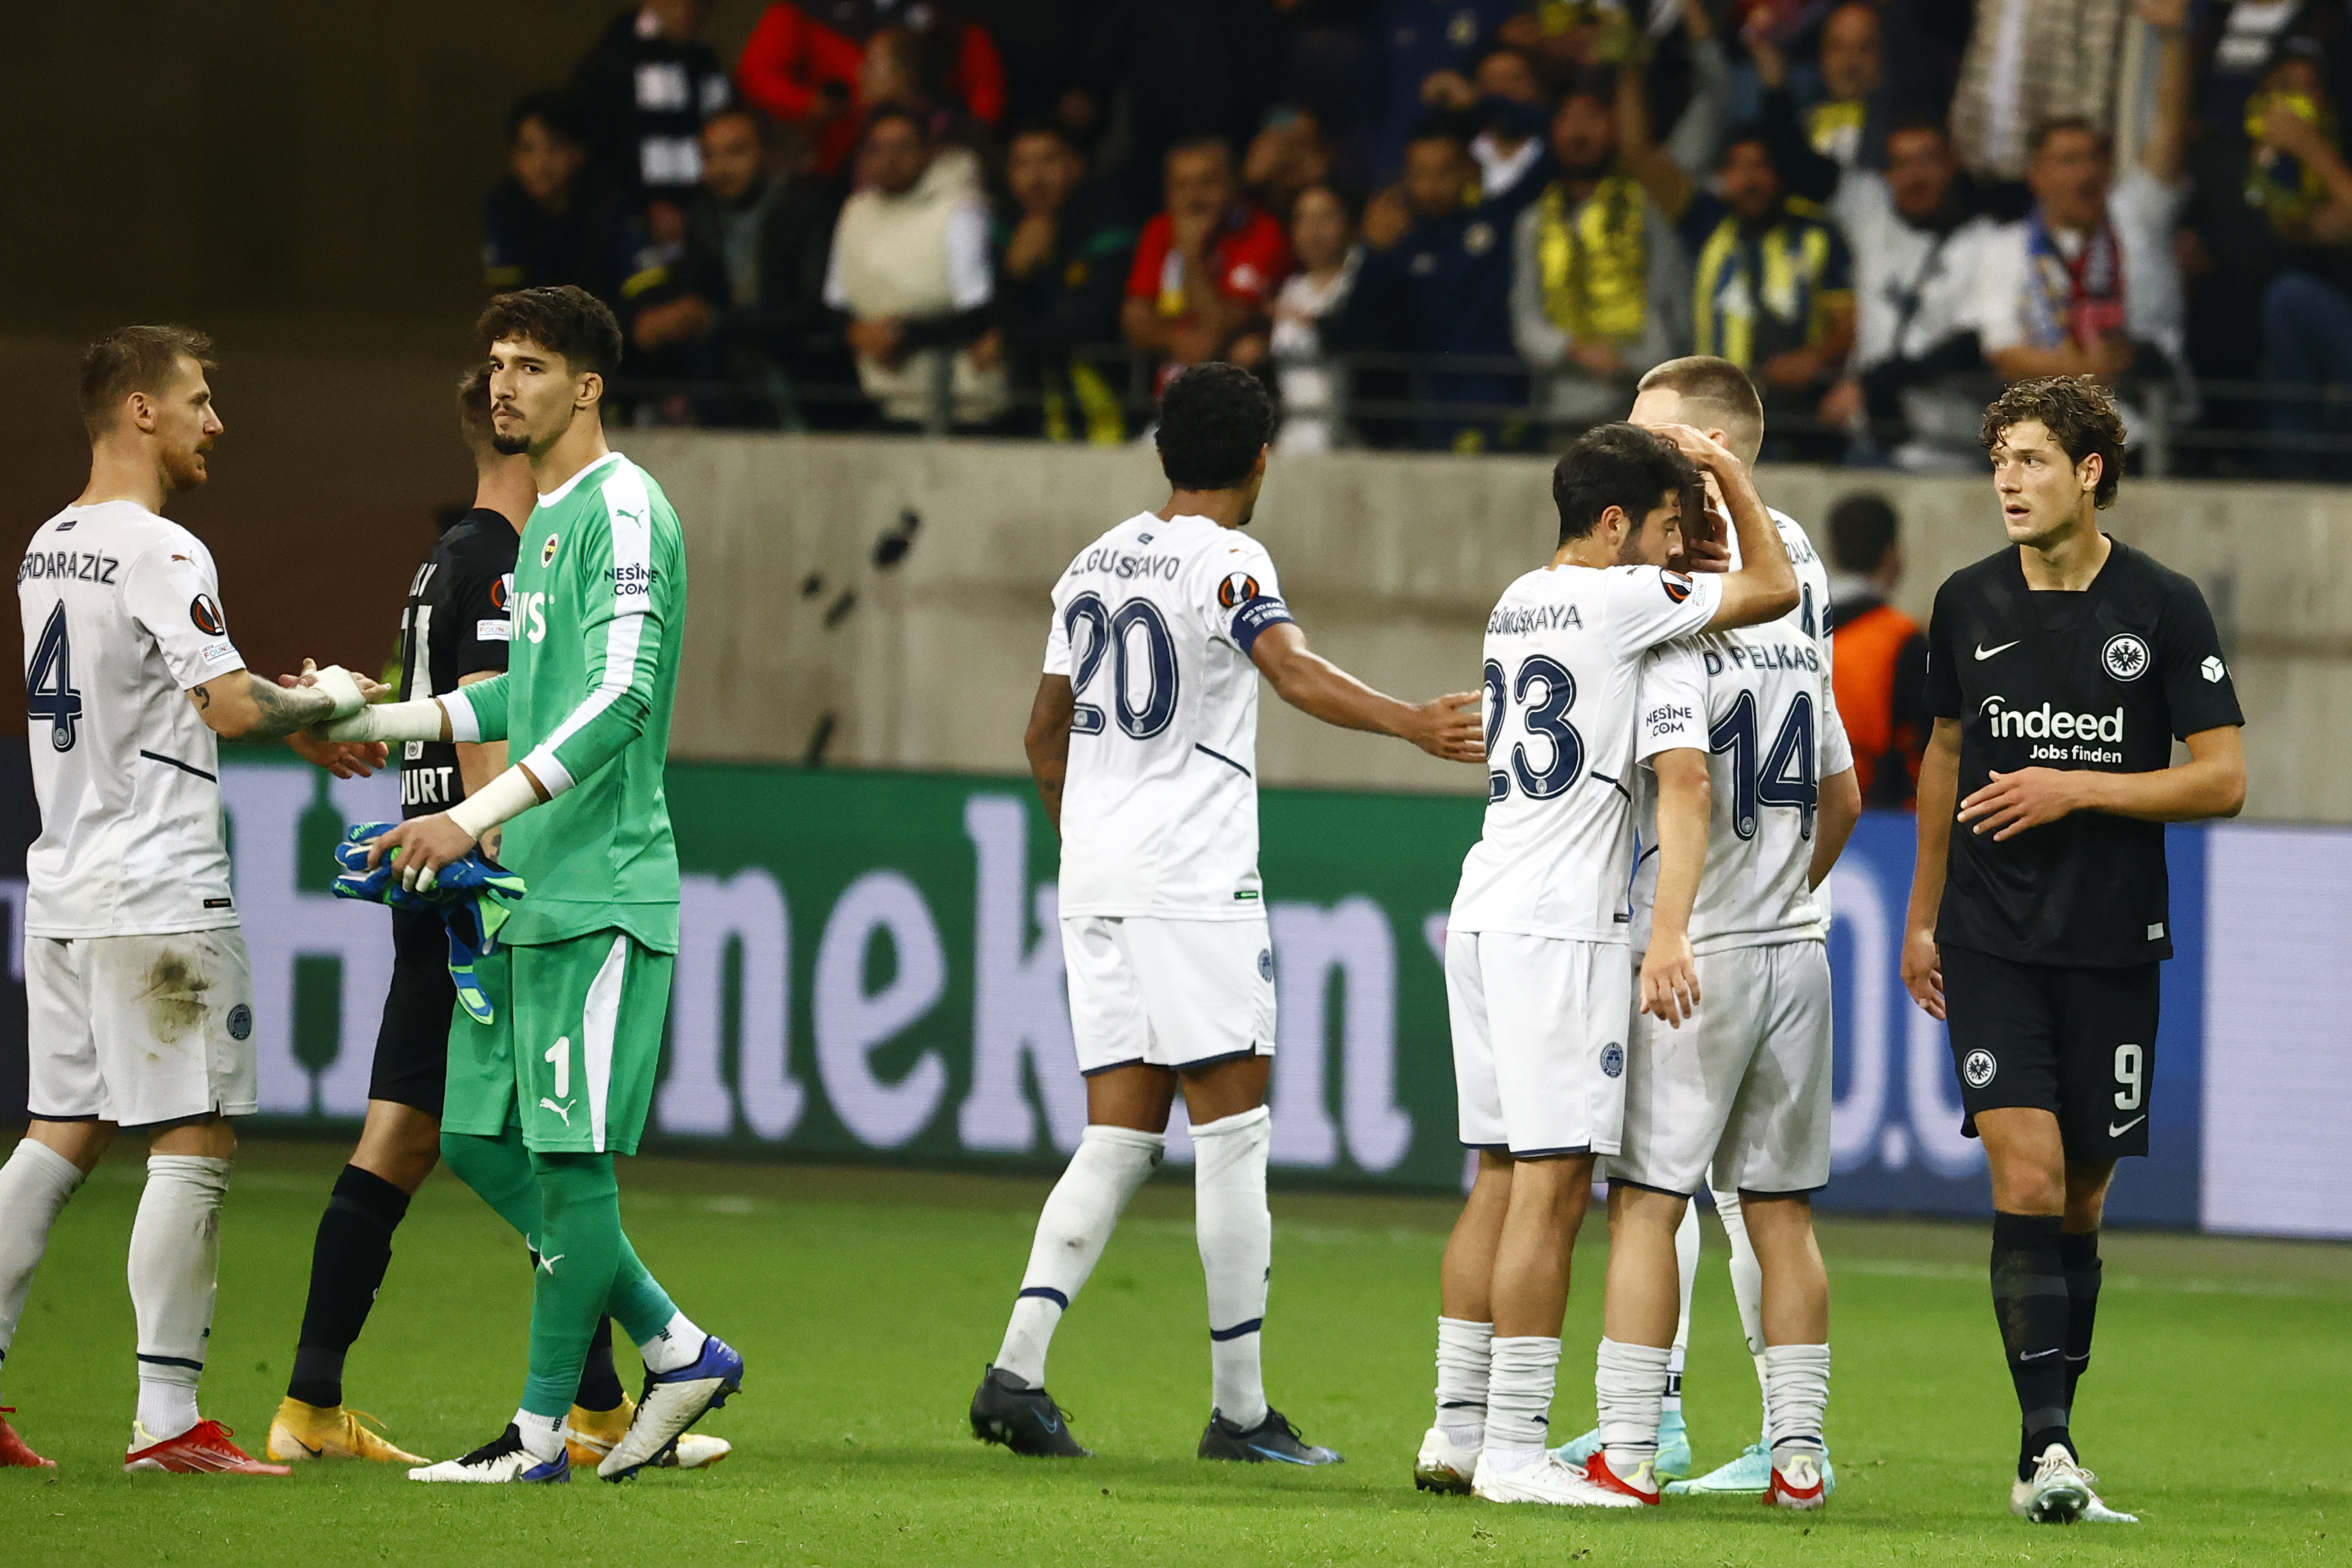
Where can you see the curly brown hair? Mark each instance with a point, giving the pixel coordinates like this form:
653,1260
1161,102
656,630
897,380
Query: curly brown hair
2078,412
565,319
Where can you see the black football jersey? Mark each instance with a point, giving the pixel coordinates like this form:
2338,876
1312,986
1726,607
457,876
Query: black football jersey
2105,678
456,625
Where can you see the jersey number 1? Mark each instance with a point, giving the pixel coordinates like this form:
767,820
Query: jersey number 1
48,683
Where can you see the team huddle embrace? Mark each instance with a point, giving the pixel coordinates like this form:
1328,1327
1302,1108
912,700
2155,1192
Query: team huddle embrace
1635,961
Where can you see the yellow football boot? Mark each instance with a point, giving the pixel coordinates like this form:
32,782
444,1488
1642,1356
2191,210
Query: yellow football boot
300,1432
590,1434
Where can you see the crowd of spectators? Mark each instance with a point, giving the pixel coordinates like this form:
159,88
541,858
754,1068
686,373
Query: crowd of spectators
1462,225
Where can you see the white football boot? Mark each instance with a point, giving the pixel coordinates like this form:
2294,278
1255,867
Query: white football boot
1442,1466
1547,1481
2058,1492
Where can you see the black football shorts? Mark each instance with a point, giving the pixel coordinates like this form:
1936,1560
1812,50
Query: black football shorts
411,1044
2074,1040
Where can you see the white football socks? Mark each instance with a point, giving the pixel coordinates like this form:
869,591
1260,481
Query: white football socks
1629,1387
1798,1378
677,1344
1686,1265
542,1435
34,1187
1519,1384
1236,1235
1466,1351
174,1275
1072,1230
1748,1290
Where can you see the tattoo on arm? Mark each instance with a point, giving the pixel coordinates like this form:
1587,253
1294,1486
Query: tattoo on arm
203,695
284,710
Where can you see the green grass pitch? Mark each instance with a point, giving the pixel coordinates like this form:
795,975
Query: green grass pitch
867,1303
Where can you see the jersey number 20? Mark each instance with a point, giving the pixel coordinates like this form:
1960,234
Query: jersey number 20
1539,777
48,683
1113,634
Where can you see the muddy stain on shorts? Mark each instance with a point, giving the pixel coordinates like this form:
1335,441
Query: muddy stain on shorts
175,996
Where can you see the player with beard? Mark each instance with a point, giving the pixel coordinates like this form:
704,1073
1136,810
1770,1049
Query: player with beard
1537,980
540,1100
454,631
139,995
2060,670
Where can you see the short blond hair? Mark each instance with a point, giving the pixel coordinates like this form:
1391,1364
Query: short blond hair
1719,395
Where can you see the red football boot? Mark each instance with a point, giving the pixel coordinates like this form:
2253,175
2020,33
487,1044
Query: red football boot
1642,1485
1796,1484
13,1451
203,1449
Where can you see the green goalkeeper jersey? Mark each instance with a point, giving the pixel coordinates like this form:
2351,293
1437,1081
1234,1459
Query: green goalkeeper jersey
598,607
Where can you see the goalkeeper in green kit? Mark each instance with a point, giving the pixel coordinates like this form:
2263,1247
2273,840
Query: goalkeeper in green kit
542,1098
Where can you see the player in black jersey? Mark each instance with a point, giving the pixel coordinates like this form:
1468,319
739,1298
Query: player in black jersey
2058,671
454,631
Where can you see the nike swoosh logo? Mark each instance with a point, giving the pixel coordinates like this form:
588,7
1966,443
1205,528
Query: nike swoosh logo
2038,1354
1270,1453
306,1449
1984,653
2116,1132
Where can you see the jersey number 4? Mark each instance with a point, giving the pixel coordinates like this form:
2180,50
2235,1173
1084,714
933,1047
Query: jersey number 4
1538,776
1787,777
49,684
1116,634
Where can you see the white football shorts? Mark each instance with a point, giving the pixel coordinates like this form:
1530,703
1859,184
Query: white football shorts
1170,993
1539,1041
1743,1086
139,1030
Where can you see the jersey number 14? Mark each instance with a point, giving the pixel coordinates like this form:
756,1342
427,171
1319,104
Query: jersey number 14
49,691
1787,776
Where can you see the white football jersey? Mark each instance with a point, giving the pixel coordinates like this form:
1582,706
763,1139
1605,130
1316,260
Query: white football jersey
121,616
1759,702
1153,624
1564,649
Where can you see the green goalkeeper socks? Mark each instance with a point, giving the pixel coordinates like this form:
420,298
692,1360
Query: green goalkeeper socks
522,1188
580,1246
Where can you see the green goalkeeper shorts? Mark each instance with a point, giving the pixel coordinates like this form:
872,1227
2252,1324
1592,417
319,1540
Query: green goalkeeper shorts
574,1051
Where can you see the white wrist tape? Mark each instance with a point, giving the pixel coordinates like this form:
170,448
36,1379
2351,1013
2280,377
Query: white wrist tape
503,798
418,720
336,683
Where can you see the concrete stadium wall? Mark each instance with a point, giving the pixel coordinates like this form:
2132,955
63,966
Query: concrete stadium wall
1392,562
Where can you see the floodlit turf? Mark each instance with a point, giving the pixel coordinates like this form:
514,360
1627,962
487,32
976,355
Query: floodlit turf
867,1303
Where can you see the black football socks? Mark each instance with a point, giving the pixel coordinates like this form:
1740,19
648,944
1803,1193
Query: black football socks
347,1265
2029,1298
2081,1259
600,1385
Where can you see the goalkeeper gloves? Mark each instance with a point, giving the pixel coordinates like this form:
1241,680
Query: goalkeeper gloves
473,896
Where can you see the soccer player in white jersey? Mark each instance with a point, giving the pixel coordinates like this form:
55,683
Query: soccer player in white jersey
140,1002
1750,797
1144,743
1537,975
1714,395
